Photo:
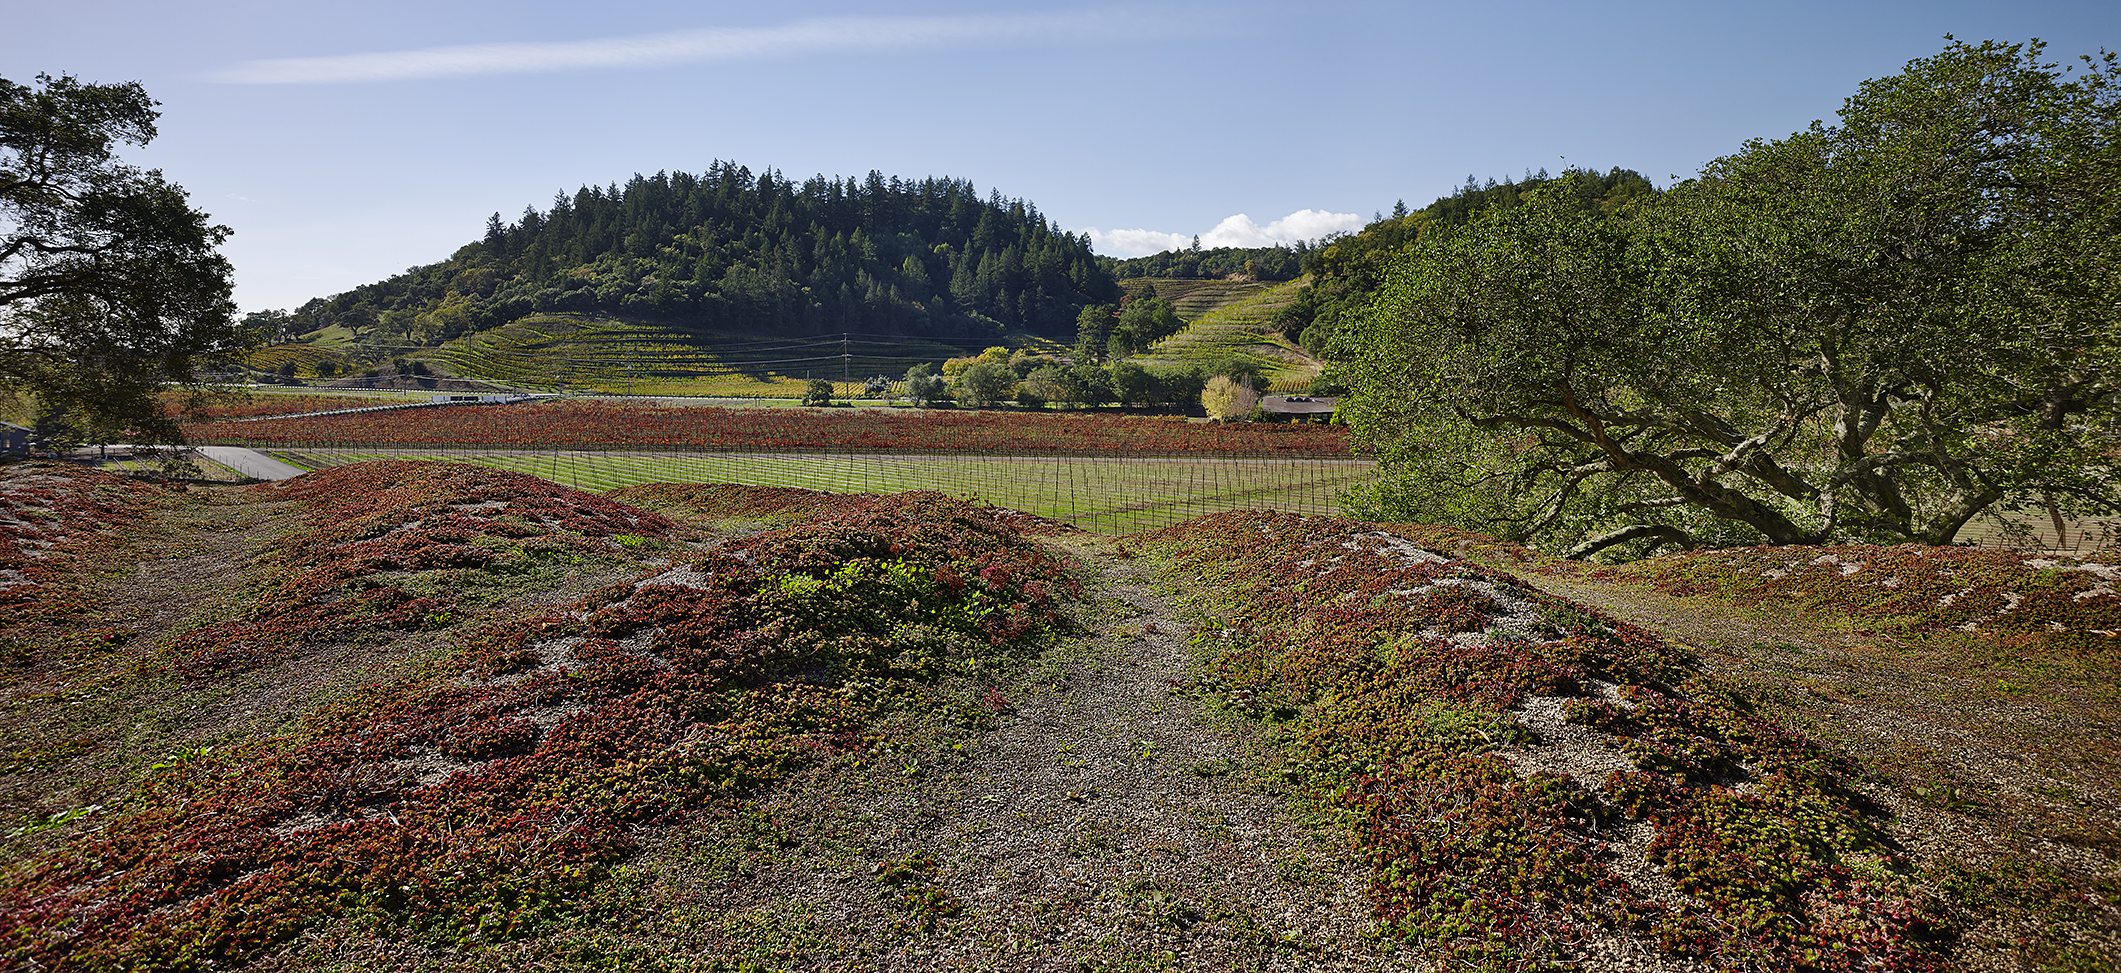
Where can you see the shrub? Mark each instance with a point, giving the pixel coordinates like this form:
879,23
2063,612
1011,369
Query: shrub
1225,399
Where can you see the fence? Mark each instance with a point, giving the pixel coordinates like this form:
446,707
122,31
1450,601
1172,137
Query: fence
2032,531
1109,492
1102,491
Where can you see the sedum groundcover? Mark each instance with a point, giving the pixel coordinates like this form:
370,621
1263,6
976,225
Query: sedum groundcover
486,798
1533,783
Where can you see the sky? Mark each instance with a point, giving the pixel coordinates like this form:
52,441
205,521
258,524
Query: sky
344,142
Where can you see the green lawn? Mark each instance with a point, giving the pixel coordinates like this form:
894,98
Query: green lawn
1114,495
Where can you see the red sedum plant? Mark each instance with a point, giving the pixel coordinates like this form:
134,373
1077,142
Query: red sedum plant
486,800
1533,781
60,523
1910,585
370,530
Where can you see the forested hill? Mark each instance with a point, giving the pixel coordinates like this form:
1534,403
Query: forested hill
733,251
1346,271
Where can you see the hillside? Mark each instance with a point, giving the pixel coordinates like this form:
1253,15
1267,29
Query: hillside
420,713
587,354
731,253
735,283
1193,298
624,356
1235,321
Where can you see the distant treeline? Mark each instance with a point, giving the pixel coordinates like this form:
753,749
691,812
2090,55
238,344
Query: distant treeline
998,375
1258,263
1346,267
1346,271
729,250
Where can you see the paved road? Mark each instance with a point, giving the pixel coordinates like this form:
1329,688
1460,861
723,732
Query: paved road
250,463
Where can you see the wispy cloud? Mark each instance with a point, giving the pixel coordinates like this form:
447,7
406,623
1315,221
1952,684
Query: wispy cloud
1235,231
726,44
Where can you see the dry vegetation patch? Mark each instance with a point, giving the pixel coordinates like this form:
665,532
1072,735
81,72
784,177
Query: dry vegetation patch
1994,750
1908,587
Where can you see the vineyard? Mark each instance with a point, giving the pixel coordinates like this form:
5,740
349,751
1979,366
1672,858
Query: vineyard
599,425
1111,494
1193,298
276,404
601,355
309,359
553,351
1241,330
1102,472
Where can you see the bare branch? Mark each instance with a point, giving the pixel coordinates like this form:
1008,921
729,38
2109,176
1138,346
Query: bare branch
1663,533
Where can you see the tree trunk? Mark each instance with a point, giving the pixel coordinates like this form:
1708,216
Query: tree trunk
1664,534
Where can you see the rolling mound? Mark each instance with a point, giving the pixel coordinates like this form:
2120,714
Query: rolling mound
482,795
427,715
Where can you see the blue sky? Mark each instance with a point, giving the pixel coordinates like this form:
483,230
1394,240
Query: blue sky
346,142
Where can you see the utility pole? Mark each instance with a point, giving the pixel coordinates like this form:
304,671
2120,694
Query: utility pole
846,361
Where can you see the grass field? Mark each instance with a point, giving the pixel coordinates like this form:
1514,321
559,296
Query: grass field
1101,494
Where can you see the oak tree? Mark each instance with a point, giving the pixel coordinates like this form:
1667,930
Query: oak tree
1873,331
111,286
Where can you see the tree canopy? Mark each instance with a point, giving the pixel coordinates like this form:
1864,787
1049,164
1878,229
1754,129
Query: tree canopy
736,251
1142,322
1871,331
1347,271
111,285
1258,263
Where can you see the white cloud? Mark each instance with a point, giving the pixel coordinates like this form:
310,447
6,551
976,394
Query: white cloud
721,44
1304,224
1235,231
1135,243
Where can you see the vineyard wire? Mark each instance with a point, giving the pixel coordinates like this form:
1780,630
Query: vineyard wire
1089,497
1106,492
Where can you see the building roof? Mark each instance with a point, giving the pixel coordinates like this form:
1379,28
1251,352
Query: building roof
1300,405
